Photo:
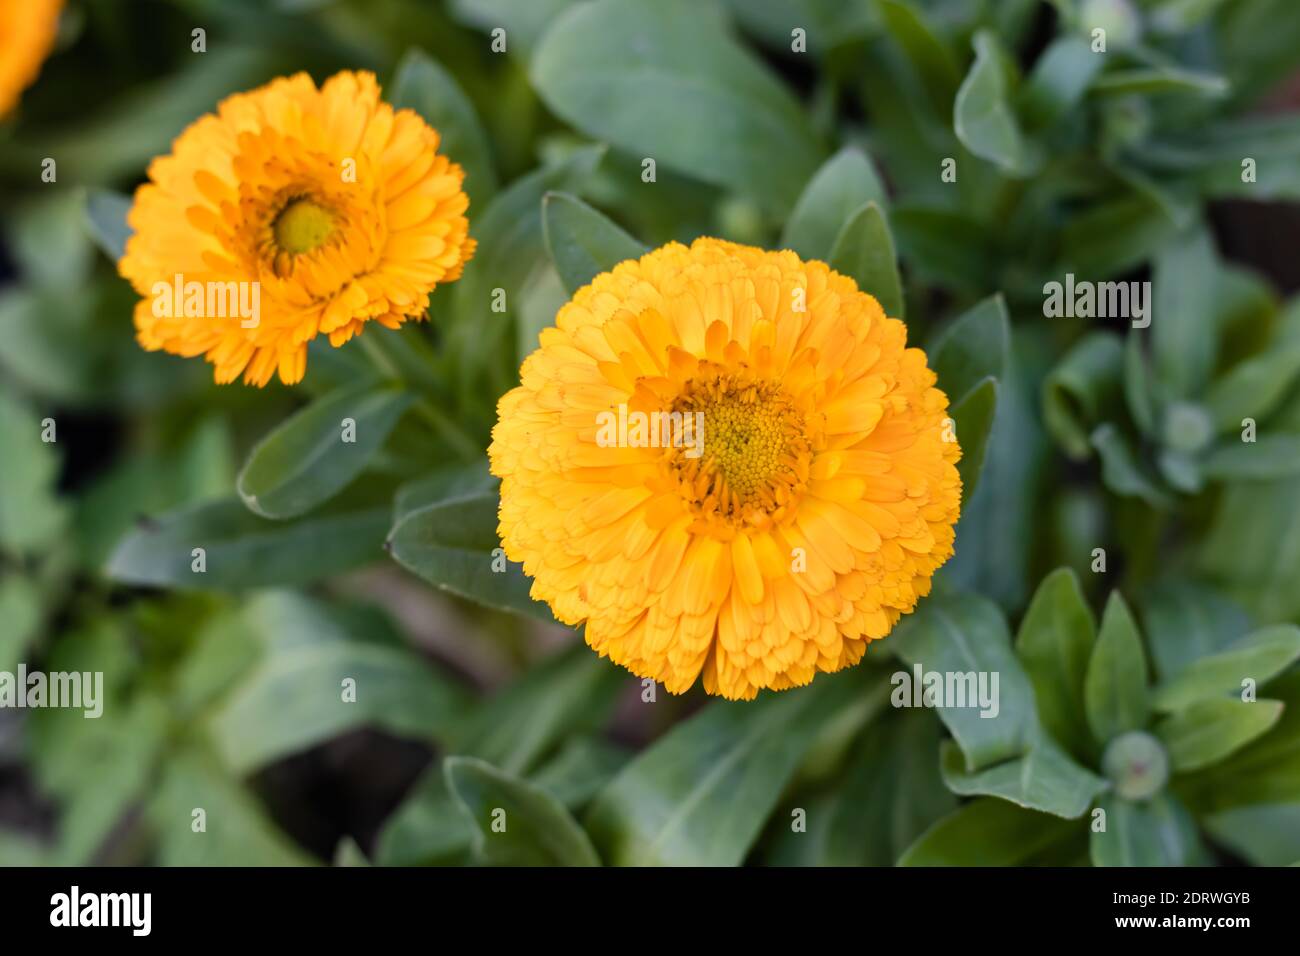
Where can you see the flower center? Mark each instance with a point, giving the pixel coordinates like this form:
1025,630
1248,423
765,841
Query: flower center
302,226
755,455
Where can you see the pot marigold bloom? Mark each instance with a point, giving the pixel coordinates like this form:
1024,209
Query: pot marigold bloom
293,212
808,513
27,32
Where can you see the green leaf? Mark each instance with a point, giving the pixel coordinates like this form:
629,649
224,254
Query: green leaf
950,247
1253,546
242,550
974,346
542,298
106,216
973,417
1256,657
440,485
566,696
21,612
423,85
1137,386
1186,620
524,23
1083,390
1266,834
995,537
515,823
1207,731
1254,387
1043,779
115,760
580,770
238,832
17,849
35,327
1058,82
1115,687
570,692
315,453
1122,472
47,241
991,833
31,515
929,56
224,649
348,853
1265,771
829,23
700,794
864,250
1158,832
983,117
582,242
846,181
1150,81
428,828
297,696
887,795
1269,456
453,544
962,634
1055,643
511,248
667,82
1184,333
1114,236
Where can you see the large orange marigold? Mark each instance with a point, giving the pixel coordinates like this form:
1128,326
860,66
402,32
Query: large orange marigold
337,206
27,31
811,516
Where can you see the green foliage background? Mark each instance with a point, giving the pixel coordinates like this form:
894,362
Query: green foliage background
1079,434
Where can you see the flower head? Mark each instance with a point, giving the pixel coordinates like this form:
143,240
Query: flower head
322,209
27,32
806,513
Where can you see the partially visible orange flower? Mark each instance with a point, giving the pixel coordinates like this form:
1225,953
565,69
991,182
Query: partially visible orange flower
813,513
27,31
325,207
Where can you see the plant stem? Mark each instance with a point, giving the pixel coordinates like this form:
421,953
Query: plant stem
453,434
443,426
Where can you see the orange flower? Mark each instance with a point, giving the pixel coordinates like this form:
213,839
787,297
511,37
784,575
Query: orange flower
319,210
811,512
27,32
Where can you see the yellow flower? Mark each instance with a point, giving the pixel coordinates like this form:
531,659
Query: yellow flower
812,514
27,31
318,210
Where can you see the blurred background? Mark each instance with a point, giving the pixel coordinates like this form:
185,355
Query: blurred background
202,709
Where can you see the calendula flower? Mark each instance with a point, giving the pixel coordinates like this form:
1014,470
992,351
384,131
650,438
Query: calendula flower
728,464
27,31
293,212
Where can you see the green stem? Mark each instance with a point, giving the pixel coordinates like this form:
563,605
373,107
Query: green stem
452,433
378,357
443,426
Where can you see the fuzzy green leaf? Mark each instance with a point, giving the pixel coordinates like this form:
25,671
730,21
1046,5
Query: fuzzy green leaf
582,242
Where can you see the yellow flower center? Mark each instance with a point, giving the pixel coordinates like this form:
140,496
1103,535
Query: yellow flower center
302,226
756,453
